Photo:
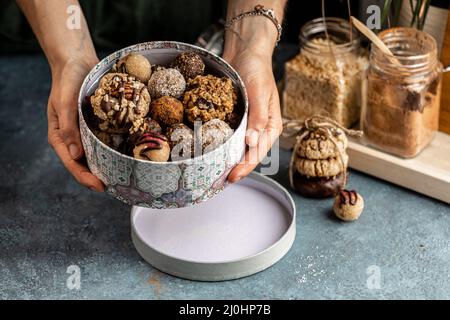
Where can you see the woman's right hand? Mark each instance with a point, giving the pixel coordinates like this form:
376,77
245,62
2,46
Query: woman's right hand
62,112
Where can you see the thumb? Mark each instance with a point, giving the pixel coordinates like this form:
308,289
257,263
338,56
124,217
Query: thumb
258,116
68,128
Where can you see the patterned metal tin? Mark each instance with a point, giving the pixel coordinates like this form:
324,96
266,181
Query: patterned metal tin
169,184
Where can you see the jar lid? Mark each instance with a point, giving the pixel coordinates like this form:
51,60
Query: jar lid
245,229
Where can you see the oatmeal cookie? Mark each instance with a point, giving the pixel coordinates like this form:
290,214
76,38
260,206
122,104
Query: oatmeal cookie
318,147
320,168
209,97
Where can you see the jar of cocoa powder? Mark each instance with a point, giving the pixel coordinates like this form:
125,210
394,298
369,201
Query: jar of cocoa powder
401,112
325,77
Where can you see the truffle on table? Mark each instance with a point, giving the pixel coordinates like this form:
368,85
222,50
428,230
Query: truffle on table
167,111
135,65
348,205
118,101
209,97
189,64
166,82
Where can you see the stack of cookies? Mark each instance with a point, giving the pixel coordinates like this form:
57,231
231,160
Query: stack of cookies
319,161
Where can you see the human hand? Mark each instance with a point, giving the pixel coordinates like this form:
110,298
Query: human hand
264,121
62,112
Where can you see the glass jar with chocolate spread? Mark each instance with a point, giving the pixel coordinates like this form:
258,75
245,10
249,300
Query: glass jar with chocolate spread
400,114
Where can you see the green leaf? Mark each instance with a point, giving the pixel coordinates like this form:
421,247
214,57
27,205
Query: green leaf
386,10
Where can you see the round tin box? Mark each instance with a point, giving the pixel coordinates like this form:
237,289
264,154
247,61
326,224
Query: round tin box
163,185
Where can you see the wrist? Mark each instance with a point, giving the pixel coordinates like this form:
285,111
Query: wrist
257,35
61,61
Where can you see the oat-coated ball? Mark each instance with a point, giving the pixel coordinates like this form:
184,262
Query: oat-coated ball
209,97
181,141
348,205
166,82
213,134
119,100
189,64
135,65
166,111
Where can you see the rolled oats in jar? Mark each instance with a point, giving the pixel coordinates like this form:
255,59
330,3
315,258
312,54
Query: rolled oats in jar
401,113
325,77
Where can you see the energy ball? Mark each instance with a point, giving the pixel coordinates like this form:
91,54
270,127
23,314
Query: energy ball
119,100
166,82
348,205
135,65
189,64
209,97
167,111
181,141
140,127
112,140
153,147
213,134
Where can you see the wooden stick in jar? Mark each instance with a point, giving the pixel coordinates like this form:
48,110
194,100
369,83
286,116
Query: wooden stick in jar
375,40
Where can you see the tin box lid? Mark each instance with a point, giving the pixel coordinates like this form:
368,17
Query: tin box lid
245,229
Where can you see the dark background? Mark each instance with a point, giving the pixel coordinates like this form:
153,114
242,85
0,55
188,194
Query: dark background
118,23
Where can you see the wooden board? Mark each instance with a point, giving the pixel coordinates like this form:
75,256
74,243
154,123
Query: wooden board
444,124
428,173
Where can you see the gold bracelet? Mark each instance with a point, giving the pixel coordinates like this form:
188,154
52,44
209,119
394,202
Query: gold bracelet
258,11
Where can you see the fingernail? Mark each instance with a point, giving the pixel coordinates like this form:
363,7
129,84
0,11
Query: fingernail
74,152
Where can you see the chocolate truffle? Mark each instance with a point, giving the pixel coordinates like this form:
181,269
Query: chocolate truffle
189,64
166,82
318,187
233,120
115,141
152,146
181,140
167,111
213,134
348,205
118,101
209,97
135,65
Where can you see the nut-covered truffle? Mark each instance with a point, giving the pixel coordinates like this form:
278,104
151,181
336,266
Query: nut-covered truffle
140,127
213,134
209,97
118,101
189,64
166,82
167,111
135,65
348,205
152,146
181,140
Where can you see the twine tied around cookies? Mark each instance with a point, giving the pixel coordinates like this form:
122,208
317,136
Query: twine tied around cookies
322,125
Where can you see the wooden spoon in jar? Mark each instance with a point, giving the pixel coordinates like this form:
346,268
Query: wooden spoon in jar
375,40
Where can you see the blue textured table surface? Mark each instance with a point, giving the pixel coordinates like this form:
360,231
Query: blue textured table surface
48,222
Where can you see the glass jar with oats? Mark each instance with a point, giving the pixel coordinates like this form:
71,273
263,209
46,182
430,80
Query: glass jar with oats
325,77
401,112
